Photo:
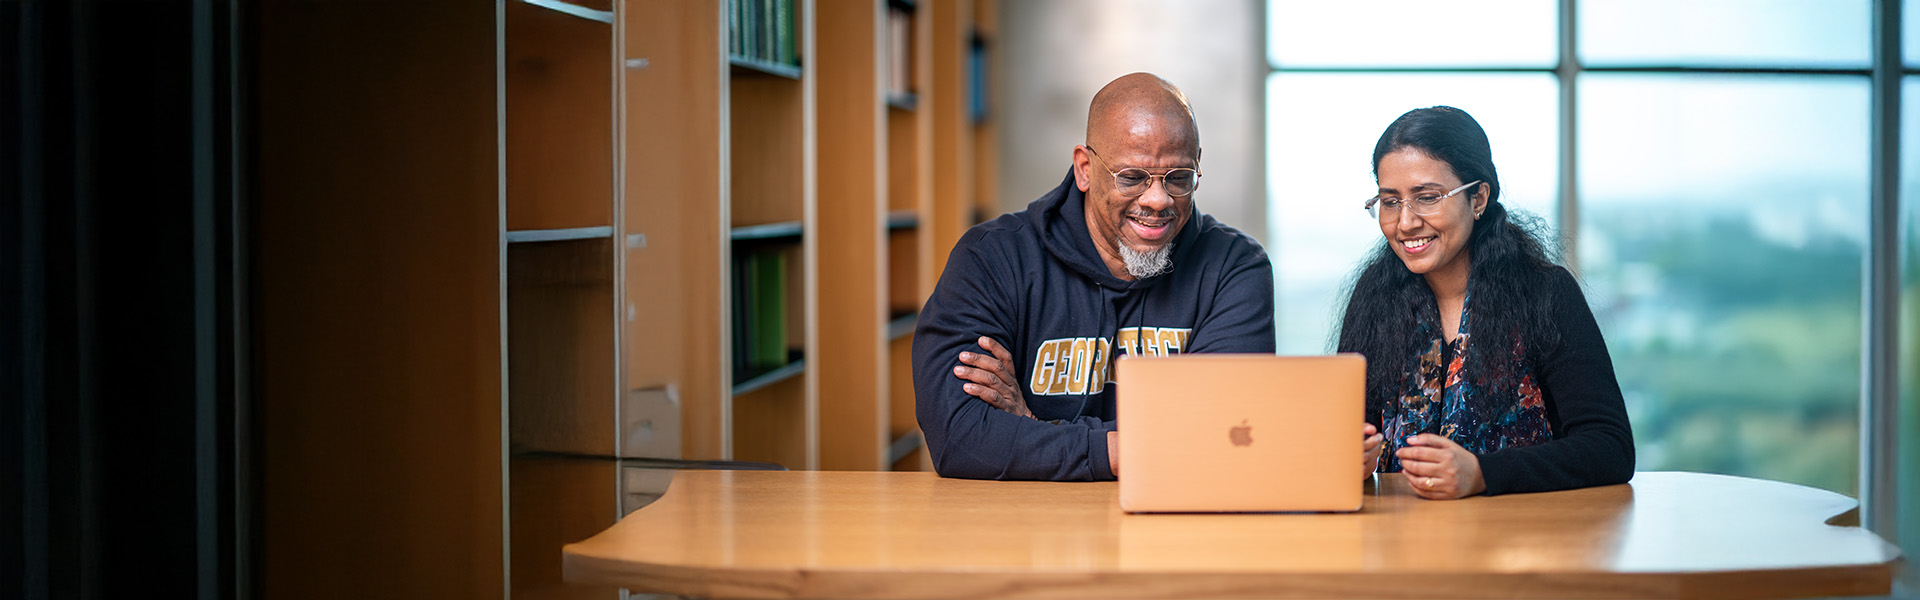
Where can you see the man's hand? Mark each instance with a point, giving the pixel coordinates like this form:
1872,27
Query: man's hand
990,378
1371,443
1440,469
1113,452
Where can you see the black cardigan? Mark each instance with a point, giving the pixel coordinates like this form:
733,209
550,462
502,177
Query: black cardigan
1592,441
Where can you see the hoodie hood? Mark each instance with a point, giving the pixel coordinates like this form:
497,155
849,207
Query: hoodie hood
1061,217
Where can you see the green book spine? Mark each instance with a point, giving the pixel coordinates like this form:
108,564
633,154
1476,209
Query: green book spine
769,273
735,40
740,300
766,31
749,27
746,27
785,31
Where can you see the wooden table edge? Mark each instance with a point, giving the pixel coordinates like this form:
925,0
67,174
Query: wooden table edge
851,582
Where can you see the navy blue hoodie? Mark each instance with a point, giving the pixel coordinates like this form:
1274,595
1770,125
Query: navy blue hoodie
1033,281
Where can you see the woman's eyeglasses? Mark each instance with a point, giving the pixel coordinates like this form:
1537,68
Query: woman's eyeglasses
1426,204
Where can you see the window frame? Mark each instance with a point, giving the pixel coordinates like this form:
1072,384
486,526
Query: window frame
1879,390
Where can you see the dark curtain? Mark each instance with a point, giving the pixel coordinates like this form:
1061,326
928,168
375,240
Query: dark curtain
122,320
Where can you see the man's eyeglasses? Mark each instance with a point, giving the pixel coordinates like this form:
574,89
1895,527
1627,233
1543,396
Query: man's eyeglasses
1133,181
1425,204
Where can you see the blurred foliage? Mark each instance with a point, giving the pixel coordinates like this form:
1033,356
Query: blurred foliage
1909,353
1737,353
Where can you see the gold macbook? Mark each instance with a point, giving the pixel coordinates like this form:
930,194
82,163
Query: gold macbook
1240,432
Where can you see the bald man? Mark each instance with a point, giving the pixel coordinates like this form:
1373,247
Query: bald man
1013,353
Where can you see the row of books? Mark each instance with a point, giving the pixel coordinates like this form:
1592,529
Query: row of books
900,62
762,30
760,315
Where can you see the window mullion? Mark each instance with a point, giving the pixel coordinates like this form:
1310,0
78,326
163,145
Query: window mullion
1879,402
1567,73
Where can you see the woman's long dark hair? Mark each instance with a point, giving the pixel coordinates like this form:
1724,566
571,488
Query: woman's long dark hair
1510,278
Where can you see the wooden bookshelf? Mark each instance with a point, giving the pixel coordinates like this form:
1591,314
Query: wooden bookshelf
901,424
674,87
853,172
912,171
560,347
752,66
905,290
377,358
790,231
527,236
794,367
550,202
904,101
555,501
770,395
769,112
985,203
863,185
562,255
955,172
767,122
767,422
559,137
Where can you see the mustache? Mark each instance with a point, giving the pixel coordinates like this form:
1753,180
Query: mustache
1167,213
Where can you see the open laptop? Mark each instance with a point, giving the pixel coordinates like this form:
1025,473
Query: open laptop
1240,432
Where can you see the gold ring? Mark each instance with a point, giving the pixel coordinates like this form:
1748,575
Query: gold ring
1428,484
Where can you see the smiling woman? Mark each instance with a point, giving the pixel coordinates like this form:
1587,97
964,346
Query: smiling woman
1530,405
1321,127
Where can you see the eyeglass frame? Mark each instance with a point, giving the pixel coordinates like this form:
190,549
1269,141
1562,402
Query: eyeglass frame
1436,201
1151,177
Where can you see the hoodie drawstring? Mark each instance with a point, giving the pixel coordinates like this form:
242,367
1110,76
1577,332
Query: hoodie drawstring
1086,393
1113,354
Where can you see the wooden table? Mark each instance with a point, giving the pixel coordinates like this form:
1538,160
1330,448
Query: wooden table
916,535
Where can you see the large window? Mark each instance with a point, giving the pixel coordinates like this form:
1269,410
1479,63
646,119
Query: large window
1721,245
1707,164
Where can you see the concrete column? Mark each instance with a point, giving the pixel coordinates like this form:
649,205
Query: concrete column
1056,53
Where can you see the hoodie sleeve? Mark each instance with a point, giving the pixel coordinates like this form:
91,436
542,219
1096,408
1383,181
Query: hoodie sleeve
1242,316
967,437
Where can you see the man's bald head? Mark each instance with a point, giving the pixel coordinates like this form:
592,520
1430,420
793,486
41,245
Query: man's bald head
1141,100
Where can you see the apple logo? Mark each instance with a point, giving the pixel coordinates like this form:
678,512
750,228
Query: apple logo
1242,435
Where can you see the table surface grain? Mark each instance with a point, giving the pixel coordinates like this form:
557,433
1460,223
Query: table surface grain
819,534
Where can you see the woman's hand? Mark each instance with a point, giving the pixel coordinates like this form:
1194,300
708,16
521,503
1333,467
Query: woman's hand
990,378
1439,469
1371,443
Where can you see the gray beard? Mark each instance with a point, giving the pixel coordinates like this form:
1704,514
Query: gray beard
1142,265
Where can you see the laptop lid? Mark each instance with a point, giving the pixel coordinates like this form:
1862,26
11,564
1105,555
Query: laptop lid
1240,432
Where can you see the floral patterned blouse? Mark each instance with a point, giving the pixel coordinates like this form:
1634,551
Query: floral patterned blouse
1437,400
